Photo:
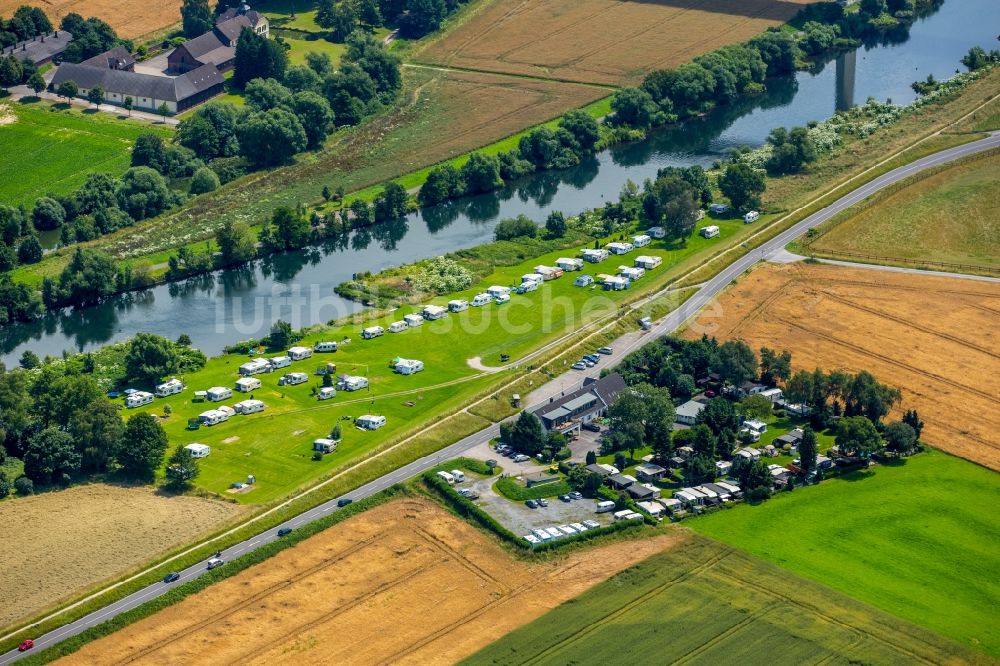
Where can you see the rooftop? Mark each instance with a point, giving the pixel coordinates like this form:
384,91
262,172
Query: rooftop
37,50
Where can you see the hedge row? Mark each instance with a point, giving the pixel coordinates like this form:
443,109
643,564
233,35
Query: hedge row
511,489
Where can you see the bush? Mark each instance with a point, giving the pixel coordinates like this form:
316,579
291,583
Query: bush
4,487
204,180
24,486
517,227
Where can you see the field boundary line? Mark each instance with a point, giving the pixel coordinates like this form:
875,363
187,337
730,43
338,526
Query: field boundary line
527,77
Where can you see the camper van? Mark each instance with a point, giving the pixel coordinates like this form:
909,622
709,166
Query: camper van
752,216
351,383
324,445
447,477
247,384
709,232
528,285
249,407
433,312
325,347
413,320
631,273
369,422
280,362
605,506
218,393
326,393
255,367
398,326
138,399
299,353
407,366
458,305
213,417
531,277
372,332
496,291
458,474
293,378
481,299
198,450
169,388
641,240
502,298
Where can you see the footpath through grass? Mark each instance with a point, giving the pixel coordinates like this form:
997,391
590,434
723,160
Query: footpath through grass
51,148
918,540
704,602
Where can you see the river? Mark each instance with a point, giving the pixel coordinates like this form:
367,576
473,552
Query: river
223,307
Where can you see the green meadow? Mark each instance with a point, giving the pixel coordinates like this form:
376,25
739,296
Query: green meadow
918,540
52,148
703,602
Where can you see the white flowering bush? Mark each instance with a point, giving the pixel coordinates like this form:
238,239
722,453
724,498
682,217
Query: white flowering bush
441,276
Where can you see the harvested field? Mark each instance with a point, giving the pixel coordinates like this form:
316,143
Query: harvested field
935,338
80,536
405,582
612,42
129,19
706,603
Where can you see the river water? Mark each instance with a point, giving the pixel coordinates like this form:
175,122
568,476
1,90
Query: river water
223,307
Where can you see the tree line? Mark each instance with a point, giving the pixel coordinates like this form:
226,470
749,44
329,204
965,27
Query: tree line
413,18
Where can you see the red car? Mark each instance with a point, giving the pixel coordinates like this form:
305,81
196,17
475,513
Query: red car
710,393
25,645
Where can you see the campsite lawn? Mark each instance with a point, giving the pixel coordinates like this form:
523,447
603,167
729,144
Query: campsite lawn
52,148
917,540
704,602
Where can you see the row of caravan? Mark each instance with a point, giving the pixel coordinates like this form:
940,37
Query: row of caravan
224,412
135,399
262,365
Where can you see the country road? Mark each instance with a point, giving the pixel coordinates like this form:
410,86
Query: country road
670,323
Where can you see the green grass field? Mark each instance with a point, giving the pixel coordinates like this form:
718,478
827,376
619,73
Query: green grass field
951,215
52,149
275,445
702,602
918,540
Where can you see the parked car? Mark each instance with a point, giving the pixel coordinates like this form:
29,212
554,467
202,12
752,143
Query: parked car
543,502
579,366
532,539
520,457
284,531
344,501
605,350
593,357
26,645
565,498
591,524
587,362
591,426
171,577
215,562
531,504
576,494
541,534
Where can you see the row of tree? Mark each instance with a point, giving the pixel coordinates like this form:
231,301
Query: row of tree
414,18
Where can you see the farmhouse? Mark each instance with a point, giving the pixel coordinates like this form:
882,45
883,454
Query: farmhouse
688,412
41,49
568,264
594,256
583,280
583,405
647,262
217,47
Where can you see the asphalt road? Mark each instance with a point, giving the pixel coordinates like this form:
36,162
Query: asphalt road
667,325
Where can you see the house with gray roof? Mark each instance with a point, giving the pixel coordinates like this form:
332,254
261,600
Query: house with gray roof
688,412
148,91
566,413
218,46
40,50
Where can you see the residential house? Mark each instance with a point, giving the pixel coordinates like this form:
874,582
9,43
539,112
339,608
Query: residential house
650,472
620,481
583,405
217,47
688,412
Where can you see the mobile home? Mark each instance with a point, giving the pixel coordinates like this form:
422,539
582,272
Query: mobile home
500,299
458,474
718,209
773,394
369,422
413,320
458,305
328,346
710,231
619,248
279,362
752,216
548,272
255,367
531,277
326,393
569,264
325,445
372,332
398,326
447,477
249,407
218,393
656,232
247,384
198,450
213,417
594,256
408,366
351,383
605,506
615,283
497,290
631,273
138,399
293,378
642,240
647,262
584,280
299,353
171,387
529,285
432,312
481,299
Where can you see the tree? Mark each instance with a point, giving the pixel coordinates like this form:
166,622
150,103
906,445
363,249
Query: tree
10,71
182,468
791,151
128,103
361,212
555,224
300,78
150,357
527,435
799,389
96,95
196,18
422,17
47,214
481,173
774,367
635,107
390,203
583,480
263,94
591,458
314,112
742,185
699,469
443,183
143,193
89,277
900,437
97,194
51,457
699,438
584,129
272,137
912,419
865,395
236,243
258,57
516,227
281,335
204,180
857,436
142,446
148,150
342,22
672,203
369,13
29,360
737,362
628,415
24,486
721,418
29,251
808,448
756,407
96,431
290,229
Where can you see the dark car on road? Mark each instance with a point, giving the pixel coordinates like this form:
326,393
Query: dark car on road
531,504
344,501
171,577
284,531
604,350
591,426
